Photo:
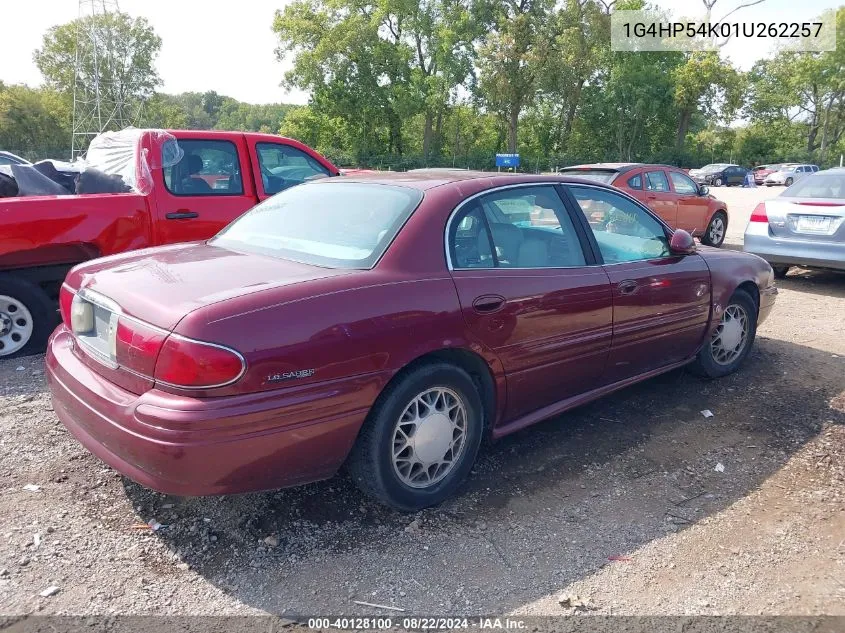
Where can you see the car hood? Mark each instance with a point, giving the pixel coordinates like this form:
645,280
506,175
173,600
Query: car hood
162,285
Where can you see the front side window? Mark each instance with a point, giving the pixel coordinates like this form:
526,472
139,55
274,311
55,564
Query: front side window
624,231
656,181
682,184
207,168
336,225
283,166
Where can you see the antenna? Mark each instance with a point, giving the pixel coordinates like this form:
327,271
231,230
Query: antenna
98,102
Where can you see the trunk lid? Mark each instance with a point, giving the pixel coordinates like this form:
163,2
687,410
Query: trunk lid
160,286
807,219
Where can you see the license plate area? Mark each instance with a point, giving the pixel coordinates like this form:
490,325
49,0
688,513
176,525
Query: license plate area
812,224
99,341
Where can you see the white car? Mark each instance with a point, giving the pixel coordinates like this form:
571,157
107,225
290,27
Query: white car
789,174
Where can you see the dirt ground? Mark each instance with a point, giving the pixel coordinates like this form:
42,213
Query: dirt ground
637,502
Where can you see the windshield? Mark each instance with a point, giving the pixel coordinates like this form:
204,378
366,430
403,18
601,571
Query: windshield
818,186
336,225
714,167
599,175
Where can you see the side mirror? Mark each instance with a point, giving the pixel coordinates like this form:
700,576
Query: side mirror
681,243
703,190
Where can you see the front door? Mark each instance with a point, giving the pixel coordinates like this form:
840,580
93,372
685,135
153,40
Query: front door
528,294
203,192
661,302
692,208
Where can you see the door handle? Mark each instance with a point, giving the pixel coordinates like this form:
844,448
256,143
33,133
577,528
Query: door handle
488,304
182,214
651,196
628,287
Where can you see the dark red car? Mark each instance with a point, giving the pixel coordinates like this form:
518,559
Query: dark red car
388,322
669,192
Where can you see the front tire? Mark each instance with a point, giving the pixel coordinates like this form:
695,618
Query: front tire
788,182
718,182
732,341
716,230
420,439
27,316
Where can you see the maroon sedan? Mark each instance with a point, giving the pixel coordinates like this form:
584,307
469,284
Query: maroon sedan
388,322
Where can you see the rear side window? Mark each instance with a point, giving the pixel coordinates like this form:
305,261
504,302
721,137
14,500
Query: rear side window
636,182
208,168
283,166
336,225
656,181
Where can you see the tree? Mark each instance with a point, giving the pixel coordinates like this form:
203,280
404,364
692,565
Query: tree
127,76
512,56
32,121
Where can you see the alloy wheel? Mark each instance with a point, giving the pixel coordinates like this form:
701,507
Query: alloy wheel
731,337
717,230
15,325
429,437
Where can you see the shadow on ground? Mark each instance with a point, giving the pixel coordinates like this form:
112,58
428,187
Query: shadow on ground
543,507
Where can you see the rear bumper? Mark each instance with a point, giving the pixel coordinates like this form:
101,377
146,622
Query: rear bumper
792,252
191,446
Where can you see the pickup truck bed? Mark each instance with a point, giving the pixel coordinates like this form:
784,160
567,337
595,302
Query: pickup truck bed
220,176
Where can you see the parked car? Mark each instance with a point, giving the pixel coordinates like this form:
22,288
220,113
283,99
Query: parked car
804,226
667,191
761,171
7,158
720,174
788,174
387,322
221,175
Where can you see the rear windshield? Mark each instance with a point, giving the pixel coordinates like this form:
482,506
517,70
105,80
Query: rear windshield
599,175
819,185
335,225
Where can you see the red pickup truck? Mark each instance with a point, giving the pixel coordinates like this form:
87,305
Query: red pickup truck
218,177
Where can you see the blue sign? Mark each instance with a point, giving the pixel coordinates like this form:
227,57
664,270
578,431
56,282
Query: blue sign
507,160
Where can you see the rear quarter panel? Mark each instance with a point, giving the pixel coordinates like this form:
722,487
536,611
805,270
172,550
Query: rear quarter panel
42,230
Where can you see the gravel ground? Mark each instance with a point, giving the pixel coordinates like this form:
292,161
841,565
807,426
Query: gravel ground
636,504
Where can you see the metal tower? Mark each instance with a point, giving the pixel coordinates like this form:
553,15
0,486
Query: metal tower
98,104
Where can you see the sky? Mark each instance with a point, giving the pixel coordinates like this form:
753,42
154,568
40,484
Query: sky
230,47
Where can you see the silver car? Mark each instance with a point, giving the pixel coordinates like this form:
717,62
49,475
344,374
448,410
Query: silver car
789,173
804,226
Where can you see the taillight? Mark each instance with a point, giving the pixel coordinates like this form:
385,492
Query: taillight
136,346
759,213
66,296
196,365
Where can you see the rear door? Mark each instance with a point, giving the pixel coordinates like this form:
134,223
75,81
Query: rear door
661,302
659,197
693,208
208,188
529,293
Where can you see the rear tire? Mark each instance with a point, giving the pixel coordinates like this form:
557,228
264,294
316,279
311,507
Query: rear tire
411,452
716,230
780,271
27,317
732,340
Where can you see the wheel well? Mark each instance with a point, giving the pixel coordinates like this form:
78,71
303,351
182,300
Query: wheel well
471,363
753,291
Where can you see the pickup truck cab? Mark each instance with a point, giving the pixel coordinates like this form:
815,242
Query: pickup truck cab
219,176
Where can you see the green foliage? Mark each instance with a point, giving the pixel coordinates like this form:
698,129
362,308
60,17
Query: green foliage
34,123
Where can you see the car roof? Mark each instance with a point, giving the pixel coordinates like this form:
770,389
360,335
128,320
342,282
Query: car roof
429,179
620,168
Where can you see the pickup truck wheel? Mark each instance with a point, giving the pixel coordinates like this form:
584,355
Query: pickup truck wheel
732,339
716,229
421,438
27,316
780,271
